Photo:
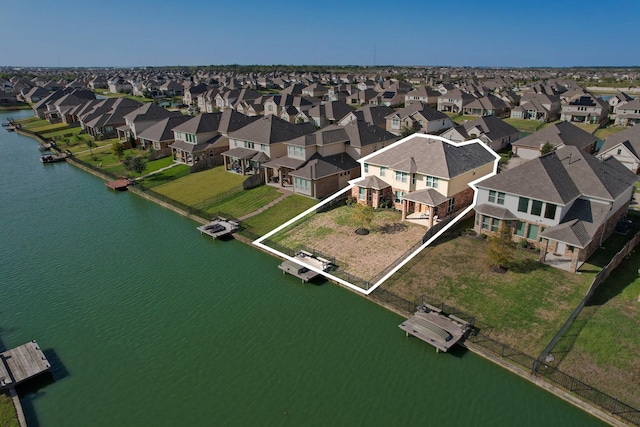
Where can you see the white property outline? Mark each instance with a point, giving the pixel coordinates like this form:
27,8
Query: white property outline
472,184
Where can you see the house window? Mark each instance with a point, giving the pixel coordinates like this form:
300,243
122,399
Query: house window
398,196
520,228
485,222
532,233
301,185
536,207
496,197
248,144
495,223
619,151
523,204
366,167
450,204
383,170
362,193
401,176
263,147
550,211
270,107
294,151
431,181
413,179
395,124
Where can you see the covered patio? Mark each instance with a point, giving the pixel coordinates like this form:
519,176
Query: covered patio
244,161
422,205
277,171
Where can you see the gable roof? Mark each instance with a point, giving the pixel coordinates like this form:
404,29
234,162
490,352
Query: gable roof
433,157
630,138
271,130
562,176
563,133
491,126
163,129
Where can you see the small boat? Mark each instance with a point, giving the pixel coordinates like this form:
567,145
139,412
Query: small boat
52,158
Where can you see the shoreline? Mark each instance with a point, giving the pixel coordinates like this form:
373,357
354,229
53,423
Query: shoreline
558,392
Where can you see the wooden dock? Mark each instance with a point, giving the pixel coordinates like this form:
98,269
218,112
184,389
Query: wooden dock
21,363
301,270
219,228
435,328
118,184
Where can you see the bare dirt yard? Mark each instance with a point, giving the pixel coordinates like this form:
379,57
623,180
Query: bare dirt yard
333,234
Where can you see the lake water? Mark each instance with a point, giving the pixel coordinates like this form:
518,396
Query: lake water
149,323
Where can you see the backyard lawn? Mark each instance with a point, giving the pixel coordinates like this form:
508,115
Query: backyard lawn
523,307
528,126
195,188
243,202
279,214
333,233
603,133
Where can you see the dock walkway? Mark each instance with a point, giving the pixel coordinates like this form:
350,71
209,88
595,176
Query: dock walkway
21,363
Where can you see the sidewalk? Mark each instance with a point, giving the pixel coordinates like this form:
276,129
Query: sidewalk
265,207
155,172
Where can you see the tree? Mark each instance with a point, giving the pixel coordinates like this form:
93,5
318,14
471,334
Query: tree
546,148
500,248
362,215
117,148
407,130
132,141
90,144
135,164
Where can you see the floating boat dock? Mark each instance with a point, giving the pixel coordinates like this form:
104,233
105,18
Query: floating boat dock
52,158
436,328
301,270
21,363
118,184
219,228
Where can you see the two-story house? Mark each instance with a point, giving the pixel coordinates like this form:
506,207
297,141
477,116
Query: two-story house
454,101
625,147
205,136
557,135
417,116
424,176
585,108
494,132
628,114
260,141
566,203
321,163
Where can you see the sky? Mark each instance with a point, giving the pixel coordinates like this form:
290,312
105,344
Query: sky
494,33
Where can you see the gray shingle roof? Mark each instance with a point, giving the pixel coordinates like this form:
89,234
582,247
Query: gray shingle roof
562,176
629,137
271,130
495,211
428,197
162,130
433,157
563,133
319,167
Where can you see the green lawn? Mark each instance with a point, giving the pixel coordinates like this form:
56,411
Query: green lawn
523,307
603,345
245,202
194,188
167,176
8,416
529,126
603,133
278,214
63,132
587,127
48,127
457,118
32,122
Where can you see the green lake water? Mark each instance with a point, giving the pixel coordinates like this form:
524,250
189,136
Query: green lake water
148,323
